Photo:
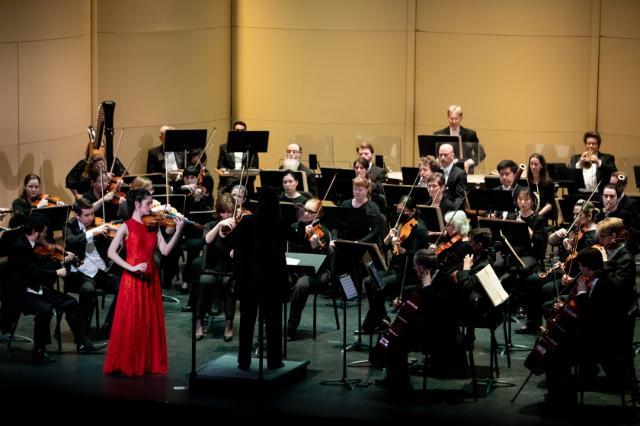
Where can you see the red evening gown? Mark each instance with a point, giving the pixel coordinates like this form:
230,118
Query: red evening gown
138,343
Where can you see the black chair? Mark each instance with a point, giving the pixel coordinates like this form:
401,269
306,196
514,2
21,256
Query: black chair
97,294
57,333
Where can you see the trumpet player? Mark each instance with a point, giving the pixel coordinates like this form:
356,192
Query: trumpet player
595,165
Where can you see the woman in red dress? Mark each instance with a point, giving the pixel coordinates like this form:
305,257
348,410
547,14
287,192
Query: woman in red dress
138,343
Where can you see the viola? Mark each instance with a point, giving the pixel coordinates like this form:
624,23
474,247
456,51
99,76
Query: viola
51,201
445,246
403,233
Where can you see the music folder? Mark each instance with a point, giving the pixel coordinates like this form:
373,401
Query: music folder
492,285
57,216
253,141
350,253
430,144
185,140
393,193
432,217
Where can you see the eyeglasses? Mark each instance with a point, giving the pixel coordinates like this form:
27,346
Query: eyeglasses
310,211
293,151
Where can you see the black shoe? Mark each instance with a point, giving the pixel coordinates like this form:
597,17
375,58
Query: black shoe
90,347
527,329
187,308
41,357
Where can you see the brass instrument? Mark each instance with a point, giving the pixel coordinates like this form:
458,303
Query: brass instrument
585,159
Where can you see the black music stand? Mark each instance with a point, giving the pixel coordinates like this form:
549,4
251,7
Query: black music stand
432,217
349,293
493,182
341,190
430,144
350,224
393,193
490,200
409,174
636,175
273,179
185,140
57,216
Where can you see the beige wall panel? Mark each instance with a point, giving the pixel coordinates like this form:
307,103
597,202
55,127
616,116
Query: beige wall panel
24,20
9,90
9,173
508,17
619,90
158,78
620,18
352,15
54,88
514,85
165,15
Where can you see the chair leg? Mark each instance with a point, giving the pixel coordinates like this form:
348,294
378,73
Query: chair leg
13,330
474,378
97,310
335,312
315,298
58,331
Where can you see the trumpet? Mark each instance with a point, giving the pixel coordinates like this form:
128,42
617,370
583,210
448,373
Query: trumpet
585,159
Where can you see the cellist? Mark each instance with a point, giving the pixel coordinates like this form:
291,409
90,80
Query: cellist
405,239
602,330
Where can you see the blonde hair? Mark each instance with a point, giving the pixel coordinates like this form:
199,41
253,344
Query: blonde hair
140,182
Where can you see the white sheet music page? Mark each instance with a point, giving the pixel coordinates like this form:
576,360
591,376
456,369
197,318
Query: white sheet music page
492,285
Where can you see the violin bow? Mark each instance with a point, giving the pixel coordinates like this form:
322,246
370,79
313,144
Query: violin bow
415,182
451,218
213,132
115,155
325,196
104,212
126,169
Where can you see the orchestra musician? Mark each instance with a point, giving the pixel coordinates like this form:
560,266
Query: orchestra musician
611,208
235,161
427,166
437,190
90,243
290,191
78,181
361,169
603,331
31,197
156,157
376,174
541,288
455,178
472,152
595,165
361,200
404,241
508,172
542,186
309,236
32,292
292,162
452,248
103,200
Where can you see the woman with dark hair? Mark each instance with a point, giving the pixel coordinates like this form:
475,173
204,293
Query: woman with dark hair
290,189
138,343
31,197
542,186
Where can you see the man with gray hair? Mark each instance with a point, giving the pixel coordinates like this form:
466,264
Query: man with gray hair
473,153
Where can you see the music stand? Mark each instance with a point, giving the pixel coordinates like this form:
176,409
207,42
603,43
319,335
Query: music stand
490,200
273,179
57,216
289,211
393,193
409,174
185,140
349,293
430,144
636,174
341,190
202,217
351,224
432,217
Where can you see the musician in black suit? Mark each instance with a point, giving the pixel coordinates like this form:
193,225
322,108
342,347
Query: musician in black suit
235,161
595,165
471,151
611,208
292,162
90,243
454,177
31,291
376,174
156,156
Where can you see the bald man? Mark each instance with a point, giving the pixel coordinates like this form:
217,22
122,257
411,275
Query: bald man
455,177
156,156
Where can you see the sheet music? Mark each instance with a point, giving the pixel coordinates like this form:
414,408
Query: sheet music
292,261
492,285
348,286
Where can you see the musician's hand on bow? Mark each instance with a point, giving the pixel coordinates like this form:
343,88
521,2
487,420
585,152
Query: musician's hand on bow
108,196
42,203
467,262
69,257
567,280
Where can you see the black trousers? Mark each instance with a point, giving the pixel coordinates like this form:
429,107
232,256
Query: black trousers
42,307
272,311
85,286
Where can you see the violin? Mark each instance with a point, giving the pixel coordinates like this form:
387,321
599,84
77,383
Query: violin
113,187
51,201
54,252
112,227
445,246
318,232
164,219
403,233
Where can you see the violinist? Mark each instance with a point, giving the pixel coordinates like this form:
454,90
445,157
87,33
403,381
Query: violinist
611,208
542,288
595,165
361,169
138,341
426,167
437,189
78,180
602,334
309,236
31,197
90,243
101,198
543,188
452,247
409,236
219,291
32,291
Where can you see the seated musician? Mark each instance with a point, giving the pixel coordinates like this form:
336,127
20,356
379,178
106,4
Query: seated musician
106,204
437,190
31,197
219,239
31,291
158,159
542,186
480,254
90,243
541,289
235,161
290,190
430,327
375,173
611,207
78,181
508,172
426,167
619,181
595,165
404,240
361,200
309,236
452,248
455,178
361,169
292,162
599,335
